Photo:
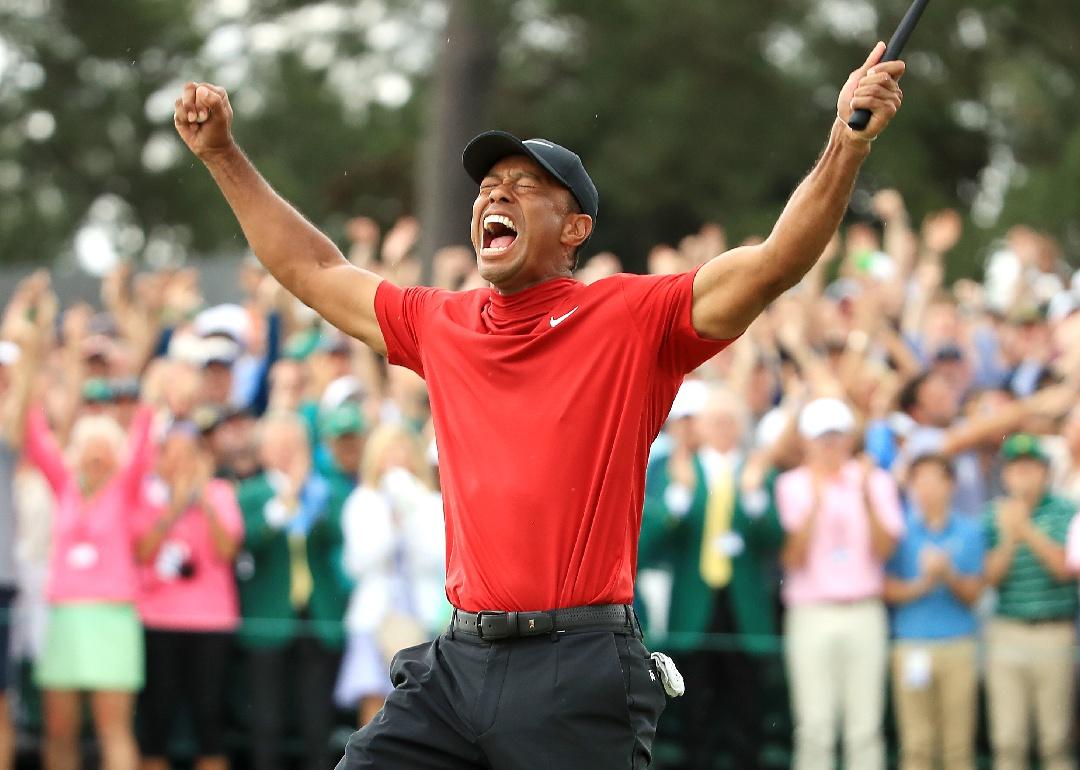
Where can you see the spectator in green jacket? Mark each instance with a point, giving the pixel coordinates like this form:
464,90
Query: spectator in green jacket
718,544
291,594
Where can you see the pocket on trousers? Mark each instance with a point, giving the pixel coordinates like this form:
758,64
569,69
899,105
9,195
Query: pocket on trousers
645,696
410,663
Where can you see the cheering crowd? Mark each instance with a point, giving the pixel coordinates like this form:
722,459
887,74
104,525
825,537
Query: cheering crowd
198,501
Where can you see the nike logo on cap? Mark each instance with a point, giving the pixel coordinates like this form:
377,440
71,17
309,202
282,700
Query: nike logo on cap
556,321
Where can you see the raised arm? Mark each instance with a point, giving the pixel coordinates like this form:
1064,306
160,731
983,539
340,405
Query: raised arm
31,328
301,258
731,289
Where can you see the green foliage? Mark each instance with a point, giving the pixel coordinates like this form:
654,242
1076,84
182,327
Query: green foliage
685,112
104,76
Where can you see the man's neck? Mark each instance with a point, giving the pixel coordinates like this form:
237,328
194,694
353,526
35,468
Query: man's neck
514,287
936,518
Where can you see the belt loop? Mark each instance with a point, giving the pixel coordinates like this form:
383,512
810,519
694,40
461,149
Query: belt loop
453,624
554,629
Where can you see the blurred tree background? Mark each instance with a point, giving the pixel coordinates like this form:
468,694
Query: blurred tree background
684,111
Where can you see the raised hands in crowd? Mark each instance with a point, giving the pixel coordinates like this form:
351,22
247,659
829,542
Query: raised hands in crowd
872,389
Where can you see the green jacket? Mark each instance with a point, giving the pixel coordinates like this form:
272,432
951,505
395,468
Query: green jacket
268,617
674,542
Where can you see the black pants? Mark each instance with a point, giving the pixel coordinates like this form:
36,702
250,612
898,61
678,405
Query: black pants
588,699
298,679
183,668
722,707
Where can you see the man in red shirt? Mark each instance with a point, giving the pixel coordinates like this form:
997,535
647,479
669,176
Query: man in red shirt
546,395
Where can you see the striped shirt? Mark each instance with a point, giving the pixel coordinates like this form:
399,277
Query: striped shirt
1029,591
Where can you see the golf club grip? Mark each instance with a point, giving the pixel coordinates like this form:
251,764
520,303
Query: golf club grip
861,118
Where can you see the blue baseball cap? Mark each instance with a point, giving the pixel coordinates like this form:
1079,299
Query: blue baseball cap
487,149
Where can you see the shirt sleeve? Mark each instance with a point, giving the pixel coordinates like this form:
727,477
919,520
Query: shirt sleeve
43,452
661,306
792,507
886,501
973,552
402,316
227,509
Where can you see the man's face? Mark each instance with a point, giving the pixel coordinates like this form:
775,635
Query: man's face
930,485
282,445
524,225
231,442
684,432
720,428
1025,478
831,450
347,450
217,382
937,401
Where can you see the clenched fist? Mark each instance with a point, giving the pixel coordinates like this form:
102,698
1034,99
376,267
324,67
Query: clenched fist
203,118
874,86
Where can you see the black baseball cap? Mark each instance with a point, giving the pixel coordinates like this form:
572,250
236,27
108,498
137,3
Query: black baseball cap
487,149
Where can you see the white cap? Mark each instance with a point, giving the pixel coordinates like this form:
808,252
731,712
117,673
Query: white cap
228,319
338,392
219,349
690,400
771,427
186,347
825,415
9,353
194,350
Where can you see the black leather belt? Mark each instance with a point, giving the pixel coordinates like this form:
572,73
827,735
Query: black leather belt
492,626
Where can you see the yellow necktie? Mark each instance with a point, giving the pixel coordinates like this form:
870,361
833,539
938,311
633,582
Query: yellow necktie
300,581
715,563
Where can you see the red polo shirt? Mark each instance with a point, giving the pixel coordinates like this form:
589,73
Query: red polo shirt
545,404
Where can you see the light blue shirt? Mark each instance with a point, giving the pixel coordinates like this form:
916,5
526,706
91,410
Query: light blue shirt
939,614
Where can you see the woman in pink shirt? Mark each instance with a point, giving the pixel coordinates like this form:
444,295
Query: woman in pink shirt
187,535
94,640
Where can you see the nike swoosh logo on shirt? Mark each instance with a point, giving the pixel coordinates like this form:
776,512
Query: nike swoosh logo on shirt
556,321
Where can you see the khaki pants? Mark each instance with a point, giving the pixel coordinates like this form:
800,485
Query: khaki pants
935,691
836,657
1030,672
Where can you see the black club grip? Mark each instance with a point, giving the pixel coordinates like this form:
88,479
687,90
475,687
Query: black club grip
861,118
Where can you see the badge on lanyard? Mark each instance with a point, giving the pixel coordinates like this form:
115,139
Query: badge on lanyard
82,556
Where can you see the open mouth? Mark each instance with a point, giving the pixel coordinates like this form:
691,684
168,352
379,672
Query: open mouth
499,234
